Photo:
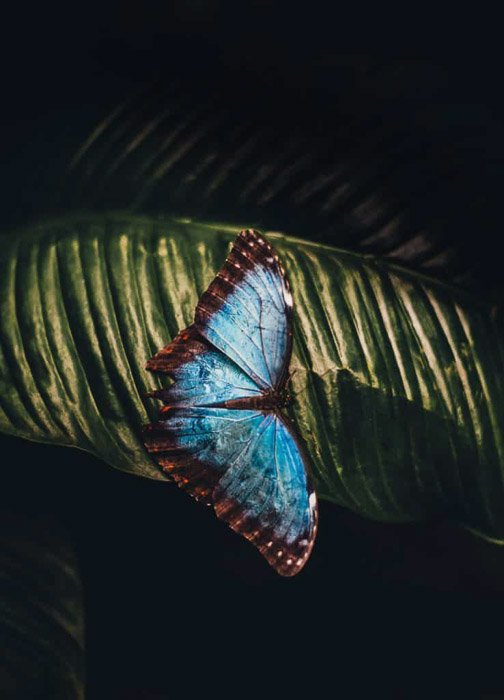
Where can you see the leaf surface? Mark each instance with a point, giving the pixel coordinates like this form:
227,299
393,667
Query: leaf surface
398,378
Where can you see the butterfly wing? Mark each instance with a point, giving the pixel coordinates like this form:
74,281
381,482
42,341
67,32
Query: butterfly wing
247,311
201,375
249,466
266,496
246,463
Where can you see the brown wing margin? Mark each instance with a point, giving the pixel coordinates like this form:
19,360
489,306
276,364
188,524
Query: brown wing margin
180,350
286,559
187,471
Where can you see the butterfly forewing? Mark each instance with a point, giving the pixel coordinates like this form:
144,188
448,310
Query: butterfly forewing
201,375
247,311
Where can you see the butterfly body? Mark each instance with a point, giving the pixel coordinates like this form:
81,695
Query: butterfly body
271,400
222,434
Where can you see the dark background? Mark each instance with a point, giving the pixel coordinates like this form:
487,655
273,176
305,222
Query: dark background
175,602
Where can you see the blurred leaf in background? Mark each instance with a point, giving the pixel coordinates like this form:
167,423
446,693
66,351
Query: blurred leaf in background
41,609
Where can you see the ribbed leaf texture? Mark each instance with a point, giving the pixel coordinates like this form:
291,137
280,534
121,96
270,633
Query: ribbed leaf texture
398,378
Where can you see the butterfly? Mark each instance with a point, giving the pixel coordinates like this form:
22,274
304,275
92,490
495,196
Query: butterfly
222,434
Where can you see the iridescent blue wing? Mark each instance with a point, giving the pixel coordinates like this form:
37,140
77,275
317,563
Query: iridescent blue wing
247,311
249,466
201,375
266,496
245,462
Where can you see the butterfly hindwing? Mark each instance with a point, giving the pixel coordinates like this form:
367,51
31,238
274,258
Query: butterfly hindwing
266,496
247,311
249,466
195,445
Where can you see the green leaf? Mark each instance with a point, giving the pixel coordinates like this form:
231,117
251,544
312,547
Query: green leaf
398,378
41,612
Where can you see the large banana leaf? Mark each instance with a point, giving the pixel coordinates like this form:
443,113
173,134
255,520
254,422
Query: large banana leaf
398,379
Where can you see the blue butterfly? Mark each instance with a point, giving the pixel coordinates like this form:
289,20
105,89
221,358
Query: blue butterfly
222,435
